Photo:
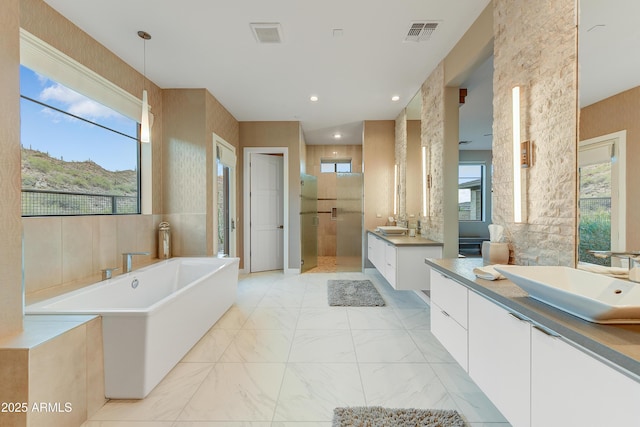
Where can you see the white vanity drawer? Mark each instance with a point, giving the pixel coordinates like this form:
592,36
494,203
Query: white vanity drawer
451,334
450,296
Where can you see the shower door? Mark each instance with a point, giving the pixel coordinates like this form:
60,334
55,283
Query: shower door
309,221
349,236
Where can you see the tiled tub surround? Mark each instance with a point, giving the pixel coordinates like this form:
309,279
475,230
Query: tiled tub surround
282,357
55,361
591,371
151,317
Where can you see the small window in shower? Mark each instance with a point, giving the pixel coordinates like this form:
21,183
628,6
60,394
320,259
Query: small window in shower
335,165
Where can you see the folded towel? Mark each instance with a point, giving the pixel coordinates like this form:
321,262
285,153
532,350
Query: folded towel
617,272
488,272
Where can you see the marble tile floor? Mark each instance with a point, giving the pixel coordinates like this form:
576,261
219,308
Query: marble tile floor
282,357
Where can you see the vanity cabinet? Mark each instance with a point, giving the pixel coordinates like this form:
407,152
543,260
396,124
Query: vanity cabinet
449,302
570,387
533,376
500,358
402,264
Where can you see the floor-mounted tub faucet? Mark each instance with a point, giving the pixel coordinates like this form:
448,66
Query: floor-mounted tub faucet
126,260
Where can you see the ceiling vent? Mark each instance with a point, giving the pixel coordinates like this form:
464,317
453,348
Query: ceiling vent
267,32
420,31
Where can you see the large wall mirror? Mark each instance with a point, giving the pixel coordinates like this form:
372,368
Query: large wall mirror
609,97
414,192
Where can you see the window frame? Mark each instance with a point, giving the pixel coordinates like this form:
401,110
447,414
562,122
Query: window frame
335,163
43,58
483,189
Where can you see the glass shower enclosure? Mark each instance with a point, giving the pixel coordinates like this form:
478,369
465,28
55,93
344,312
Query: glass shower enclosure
309,221
350,219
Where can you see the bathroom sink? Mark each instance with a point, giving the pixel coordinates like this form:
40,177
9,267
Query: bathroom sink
392,229
590,296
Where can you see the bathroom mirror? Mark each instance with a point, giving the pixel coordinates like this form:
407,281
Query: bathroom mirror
414,164
609,133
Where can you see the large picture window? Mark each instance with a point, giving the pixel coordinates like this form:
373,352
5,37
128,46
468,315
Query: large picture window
78,157
470,191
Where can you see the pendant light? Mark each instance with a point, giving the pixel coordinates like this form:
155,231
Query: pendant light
145,128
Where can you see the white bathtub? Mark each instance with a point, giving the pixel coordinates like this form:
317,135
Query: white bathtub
149,328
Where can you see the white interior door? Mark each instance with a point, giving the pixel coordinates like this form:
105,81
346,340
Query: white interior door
267,212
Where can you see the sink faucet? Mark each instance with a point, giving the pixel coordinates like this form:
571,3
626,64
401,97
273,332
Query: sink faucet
632,256
126,260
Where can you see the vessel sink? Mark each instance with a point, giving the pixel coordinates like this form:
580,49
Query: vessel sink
590,296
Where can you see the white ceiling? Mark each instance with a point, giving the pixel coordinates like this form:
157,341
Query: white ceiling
209,44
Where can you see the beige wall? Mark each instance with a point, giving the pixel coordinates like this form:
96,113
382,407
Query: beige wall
275,134
378,152
187,151
327,188
10,222
192,116
536,48
610,115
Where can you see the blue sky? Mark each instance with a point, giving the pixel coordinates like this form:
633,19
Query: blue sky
68,138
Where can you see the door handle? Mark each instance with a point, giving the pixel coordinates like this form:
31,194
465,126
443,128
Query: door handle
281,227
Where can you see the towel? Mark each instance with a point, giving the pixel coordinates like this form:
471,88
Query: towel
488,273
617,272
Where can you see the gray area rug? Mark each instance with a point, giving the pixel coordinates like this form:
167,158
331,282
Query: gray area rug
353,293
377,416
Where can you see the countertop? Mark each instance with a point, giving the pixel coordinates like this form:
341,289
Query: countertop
617,344
404,240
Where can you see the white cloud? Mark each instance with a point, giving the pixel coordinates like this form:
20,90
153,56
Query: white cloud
75,103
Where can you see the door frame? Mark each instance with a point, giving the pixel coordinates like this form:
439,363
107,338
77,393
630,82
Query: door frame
233,210
246,174
619,169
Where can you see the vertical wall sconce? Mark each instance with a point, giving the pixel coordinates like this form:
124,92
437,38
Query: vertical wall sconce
424,180
395,189
145,127
517,184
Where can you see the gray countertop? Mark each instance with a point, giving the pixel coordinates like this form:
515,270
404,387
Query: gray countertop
405,240
617,344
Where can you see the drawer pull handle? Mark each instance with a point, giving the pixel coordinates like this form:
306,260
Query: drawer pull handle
445,313
522,319
546,331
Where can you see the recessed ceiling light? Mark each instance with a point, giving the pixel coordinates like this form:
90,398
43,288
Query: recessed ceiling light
337,135
313,98
395,98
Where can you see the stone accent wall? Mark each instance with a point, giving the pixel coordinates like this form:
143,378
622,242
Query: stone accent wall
535,47
401,161
432,136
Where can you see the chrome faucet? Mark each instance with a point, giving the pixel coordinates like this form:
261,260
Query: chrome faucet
632,256
126,260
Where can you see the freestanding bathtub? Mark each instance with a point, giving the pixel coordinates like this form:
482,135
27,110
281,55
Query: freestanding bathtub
151,317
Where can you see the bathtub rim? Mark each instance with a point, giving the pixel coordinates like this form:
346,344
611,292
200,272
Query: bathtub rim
43,307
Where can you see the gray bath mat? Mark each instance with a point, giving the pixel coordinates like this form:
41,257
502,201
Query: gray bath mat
353,293
383,417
